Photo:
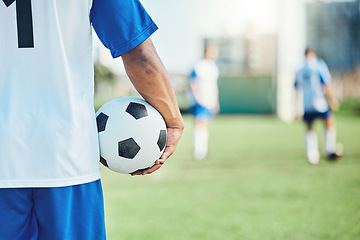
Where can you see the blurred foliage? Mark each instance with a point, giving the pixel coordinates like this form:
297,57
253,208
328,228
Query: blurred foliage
349,107
104,74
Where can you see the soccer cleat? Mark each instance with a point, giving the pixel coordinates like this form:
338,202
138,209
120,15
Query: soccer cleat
334,156
337,154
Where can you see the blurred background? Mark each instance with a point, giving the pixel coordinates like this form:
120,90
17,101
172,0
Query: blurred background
261,45
256,183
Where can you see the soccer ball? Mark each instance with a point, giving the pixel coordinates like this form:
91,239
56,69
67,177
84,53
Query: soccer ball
132,134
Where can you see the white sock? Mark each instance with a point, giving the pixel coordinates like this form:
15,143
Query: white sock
330,141
312,151
201,138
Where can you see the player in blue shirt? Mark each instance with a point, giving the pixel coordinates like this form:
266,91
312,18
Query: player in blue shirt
49,156
313,83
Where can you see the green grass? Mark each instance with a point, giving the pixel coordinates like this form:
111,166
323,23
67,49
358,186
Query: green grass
255,184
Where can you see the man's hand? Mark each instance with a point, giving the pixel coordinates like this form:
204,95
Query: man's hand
173,137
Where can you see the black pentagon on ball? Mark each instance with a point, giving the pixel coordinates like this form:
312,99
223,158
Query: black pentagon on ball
137,110
128,148
162,140
101,121
103,161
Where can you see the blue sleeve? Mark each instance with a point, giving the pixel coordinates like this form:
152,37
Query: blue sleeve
322,80
325,76
192,76
296,82
121,25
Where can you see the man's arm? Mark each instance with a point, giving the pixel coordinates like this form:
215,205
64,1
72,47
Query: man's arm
332,101
298,98
151,80
325,79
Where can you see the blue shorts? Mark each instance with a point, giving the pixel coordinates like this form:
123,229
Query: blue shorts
200,112
309,117
71,213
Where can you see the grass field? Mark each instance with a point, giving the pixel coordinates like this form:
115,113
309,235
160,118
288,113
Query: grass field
256,184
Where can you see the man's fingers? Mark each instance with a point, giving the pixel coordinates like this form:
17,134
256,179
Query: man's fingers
172,140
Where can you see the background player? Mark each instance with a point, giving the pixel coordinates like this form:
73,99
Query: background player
204,87
313,83
49,158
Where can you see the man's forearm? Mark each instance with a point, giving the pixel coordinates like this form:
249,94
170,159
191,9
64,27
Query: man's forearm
333,103
151,80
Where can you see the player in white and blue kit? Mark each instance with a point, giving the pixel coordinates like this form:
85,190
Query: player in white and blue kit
313,83
205,102
49,158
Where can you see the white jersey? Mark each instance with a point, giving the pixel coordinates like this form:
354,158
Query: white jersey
204,79
310,80
48,134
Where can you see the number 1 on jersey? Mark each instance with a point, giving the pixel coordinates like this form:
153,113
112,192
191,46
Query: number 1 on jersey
24,22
